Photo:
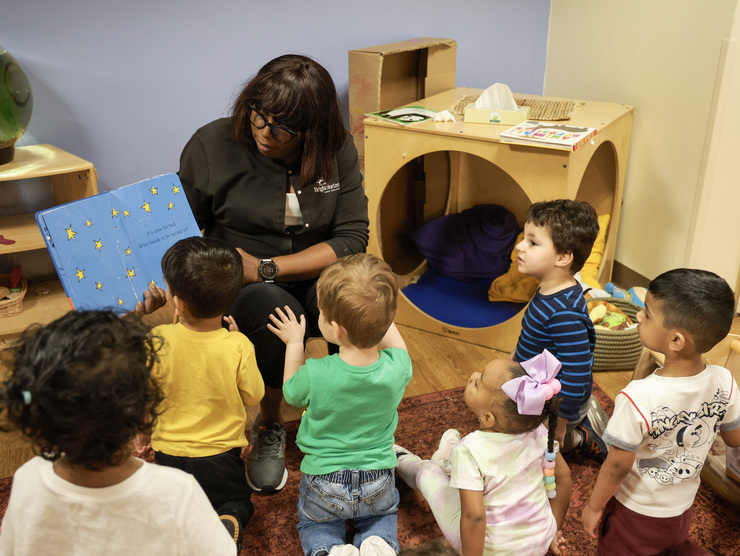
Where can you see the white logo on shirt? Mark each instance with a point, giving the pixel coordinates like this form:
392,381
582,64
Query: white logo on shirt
324,187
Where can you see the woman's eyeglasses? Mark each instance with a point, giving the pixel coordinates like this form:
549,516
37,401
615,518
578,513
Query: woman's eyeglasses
279,133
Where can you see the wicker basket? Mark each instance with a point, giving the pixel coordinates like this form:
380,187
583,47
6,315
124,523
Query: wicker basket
10,307
618,350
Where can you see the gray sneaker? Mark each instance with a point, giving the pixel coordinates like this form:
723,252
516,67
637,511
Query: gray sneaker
266,470
597,416
592,429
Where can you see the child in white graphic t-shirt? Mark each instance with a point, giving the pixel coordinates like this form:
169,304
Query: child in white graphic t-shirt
663,425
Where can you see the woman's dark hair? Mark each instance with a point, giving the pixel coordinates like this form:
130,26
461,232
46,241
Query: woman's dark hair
205,273
82,387
518,423
300,95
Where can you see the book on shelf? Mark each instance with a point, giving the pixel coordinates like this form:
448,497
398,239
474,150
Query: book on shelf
107,248
405,116
551,135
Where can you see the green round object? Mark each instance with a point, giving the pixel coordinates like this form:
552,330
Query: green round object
16,104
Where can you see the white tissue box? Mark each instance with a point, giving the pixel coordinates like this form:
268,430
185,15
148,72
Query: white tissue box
488,116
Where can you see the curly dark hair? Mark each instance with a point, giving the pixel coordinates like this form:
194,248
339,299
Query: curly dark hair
573,227
299,94
205,273
82,387
519,423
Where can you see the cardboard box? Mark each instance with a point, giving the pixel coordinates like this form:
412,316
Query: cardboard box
487,116
391,75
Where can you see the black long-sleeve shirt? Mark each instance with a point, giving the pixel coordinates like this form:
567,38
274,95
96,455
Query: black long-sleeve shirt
238,195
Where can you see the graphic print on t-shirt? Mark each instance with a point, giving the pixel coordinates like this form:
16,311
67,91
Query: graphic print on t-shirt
680,441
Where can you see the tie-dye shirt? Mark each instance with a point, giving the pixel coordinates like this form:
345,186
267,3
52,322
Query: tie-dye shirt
508,469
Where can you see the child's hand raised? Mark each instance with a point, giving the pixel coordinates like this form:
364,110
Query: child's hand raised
142,445
287,327
233,327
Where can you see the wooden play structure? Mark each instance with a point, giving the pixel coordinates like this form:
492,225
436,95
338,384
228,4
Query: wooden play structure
422,171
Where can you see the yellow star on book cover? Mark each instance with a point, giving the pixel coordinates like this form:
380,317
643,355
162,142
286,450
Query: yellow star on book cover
88,222
170,206
80,274
98,286
126,213
70,233
128,251
120,301
152,282
130,272
175,189
153,190
98,244
113,212
146,208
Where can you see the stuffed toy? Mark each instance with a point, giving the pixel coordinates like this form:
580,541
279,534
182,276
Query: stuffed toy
607,316
634,295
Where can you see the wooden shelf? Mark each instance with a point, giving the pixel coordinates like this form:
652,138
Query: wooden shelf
38,307
38,161
24,230
70,178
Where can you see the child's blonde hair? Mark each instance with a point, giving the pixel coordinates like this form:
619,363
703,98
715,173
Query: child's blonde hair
360,293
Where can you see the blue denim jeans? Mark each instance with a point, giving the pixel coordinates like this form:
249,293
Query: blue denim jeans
367,497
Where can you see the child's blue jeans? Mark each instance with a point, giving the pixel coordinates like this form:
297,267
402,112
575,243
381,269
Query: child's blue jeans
367,497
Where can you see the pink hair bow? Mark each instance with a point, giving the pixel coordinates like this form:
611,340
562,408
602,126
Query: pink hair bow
530,392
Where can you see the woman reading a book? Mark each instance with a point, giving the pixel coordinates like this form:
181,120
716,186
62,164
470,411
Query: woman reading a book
279,180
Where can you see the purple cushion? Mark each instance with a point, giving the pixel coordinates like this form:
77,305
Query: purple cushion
475,243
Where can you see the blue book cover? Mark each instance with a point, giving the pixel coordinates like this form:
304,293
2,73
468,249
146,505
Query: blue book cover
107,248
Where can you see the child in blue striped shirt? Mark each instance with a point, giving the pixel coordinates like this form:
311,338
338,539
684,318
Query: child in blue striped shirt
558,237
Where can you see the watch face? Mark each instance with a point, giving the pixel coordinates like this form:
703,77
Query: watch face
268,270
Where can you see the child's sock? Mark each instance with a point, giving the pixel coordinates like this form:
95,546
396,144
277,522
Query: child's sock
441,457
576,438
344,550
376,546
407,466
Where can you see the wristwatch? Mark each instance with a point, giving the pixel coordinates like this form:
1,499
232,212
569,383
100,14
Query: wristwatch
268,270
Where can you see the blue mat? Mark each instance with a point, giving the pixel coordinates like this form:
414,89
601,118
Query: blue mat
459,303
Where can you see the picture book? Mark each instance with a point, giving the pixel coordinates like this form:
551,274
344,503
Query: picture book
107,248
551,135
405,116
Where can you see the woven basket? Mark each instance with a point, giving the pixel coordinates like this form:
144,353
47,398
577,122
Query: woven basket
10,307
618,350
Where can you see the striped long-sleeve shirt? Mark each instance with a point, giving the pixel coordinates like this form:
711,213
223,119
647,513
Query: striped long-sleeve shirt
560,323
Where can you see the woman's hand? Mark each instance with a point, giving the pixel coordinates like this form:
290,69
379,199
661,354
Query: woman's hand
251,266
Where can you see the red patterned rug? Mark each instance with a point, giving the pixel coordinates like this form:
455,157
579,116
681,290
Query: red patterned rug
422,420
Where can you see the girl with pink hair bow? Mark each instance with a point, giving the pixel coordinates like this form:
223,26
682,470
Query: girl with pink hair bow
504,488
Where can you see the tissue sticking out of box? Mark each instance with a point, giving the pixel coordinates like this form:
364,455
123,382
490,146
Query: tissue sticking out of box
444,116
496,105
497,97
